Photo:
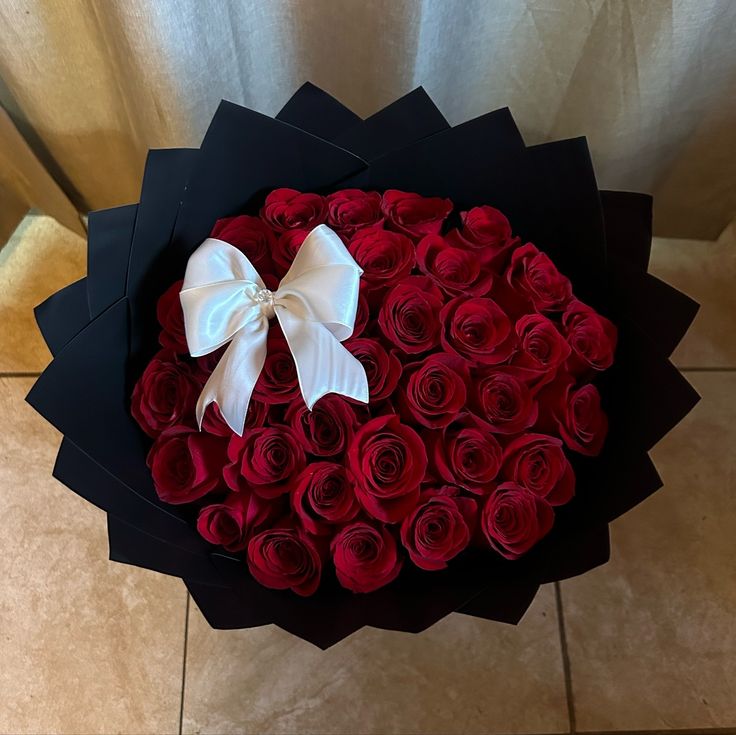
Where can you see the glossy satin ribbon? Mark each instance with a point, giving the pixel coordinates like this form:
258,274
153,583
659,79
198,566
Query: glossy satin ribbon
225,300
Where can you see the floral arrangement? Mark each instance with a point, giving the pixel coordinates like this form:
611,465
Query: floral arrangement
442,415
479,362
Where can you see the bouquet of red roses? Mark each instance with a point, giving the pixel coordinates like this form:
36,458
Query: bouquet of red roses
396,368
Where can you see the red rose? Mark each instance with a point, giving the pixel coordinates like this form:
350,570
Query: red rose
288,209
438,529
541,346
213,423
278,381
388,460
170,316
486,232
383,369
514,519
591,336
504,400
266,460
249,235
415,215
533,275
362,314
186,464
285,558
486,229
538,463
409,316
204,365
287,246
327,429
455,270
324,495
350,209
365,557
468,455
385,257
165,394
576,414
478,330
230,523
434,390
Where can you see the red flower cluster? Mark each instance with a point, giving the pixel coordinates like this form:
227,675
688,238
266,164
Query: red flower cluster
479,362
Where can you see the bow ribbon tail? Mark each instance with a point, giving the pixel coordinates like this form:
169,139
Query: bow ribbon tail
231,383
323,365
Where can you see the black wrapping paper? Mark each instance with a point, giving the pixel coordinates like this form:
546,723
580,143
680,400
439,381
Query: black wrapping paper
102,331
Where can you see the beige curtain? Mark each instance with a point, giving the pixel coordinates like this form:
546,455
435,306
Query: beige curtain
652,83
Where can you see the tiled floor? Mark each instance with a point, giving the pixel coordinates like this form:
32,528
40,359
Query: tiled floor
645,643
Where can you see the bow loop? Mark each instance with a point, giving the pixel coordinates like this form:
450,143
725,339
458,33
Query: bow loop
225,300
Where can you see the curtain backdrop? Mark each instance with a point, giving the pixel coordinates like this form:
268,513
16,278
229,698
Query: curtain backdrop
652,83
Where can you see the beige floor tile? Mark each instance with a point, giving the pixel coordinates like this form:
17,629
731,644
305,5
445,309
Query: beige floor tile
40,258
706,271
652,635
86,646
461,676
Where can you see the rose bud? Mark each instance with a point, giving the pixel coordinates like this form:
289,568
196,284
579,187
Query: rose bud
266,459
538,463
324,495
385,257
213,423
514,519
388,461
287,246
415,215
383,369
288,209
468,455
478,330
409,316
327,429
365,557
351,209
170,316
534,276
575,414
591,336
278,381
434,390
186,464
165,395
504,400
455,270
438,529
249,235
285,558
541,347
230,523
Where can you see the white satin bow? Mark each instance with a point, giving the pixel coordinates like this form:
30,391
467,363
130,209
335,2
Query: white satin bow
225,300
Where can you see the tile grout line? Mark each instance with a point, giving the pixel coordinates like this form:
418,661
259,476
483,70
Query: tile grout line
706,369
674,731
565,660
184,665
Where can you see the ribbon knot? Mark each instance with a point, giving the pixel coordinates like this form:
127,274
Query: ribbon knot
224,299
265,298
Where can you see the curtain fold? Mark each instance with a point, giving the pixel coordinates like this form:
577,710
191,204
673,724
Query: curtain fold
94,83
